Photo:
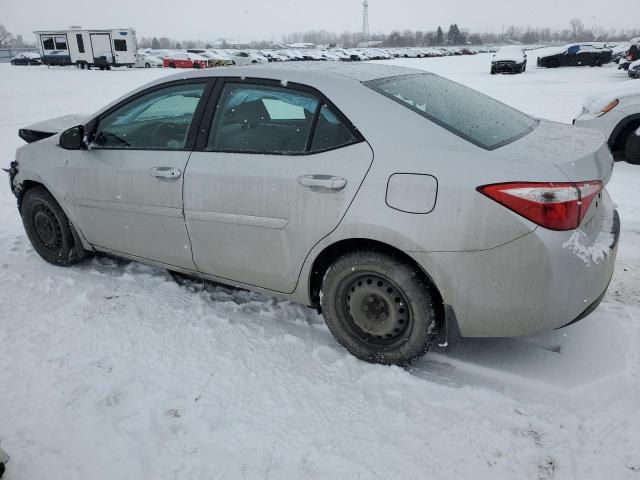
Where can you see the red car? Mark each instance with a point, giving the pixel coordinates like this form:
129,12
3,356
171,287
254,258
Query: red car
185,60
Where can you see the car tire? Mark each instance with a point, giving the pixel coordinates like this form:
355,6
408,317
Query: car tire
147,65
48,228
493,71
553,63
172,65
379,308
632,149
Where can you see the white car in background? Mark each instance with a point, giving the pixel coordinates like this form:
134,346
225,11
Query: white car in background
147,61
161,54
245,57
616,113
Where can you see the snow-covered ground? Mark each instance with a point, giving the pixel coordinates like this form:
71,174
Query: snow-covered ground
109,370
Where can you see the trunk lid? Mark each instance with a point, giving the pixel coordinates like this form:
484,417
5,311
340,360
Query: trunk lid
581,154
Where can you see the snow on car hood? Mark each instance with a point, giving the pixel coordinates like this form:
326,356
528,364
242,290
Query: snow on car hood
58,124
595,103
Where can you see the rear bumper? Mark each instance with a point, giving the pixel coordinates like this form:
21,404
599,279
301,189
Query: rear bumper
543,281
506,67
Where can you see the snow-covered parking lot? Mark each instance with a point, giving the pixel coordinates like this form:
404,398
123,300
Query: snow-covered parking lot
110,370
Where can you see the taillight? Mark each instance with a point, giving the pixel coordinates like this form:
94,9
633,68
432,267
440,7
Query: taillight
556,206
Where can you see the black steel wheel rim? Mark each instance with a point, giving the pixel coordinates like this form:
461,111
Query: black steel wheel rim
47,227
377,312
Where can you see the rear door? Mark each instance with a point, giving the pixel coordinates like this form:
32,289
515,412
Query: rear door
127,188
276,173
123,48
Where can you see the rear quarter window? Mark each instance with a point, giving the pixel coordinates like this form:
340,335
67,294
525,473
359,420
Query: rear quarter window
476,117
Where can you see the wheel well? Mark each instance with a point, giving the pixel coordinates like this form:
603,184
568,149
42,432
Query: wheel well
24,187
618,142
333,252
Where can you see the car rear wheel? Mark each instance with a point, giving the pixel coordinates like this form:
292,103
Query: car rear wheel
632,149
172,65
48,228
147,65
379,308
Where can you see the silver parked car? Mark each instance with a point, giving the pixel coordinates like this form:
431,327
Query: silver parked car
615,113
397,202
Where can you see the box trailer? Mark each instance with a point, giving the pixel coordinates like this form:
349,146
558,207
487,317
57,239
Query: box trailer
88,48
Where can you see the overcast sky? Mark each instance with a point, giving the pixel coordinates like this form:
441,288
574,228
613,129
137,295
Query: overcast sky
269,19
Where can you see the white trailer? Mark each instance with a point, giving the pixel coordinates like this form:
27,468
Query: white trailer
88,48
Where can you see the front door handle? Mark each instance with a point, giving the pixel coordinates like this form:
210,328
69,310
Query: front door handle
328,182
166,172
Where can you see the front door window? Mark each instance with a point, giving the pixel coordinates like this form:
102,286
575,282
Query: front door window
159,120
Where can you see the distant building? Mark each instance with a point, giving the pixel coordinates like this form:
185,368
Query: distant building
300,45
372,43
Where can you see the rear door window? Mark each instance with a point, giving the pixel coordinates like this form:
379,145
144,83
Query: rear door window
330,132
476,117
262,119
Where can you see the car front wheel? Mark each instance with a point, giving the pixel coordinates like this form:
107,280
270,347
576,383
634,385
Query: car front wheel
379,308
48,228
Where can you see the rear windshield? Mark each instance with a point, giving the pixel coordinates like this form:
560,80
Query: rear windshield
469,114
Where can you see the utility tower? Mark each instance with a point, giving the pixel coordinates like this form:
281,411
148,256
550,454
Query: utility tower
365,20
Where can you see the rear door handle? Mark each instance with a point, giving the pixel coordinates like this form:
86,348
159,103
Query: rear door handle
166,172
328,182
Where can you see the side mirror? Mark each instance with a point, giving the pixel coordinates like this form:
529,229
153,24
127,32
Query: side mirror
73,139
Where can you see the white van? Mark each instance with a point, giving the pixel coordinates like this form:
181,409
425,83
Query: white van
88,48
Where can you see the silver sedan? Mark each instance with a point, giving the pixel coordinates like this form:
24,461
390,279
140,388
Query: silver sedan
402,205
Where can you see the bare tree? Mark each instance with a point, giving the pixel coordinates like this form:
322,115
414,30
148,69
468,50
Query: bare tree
6,39
577,28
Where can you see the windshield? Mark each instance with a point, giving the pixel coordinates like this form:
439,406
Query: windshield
476,117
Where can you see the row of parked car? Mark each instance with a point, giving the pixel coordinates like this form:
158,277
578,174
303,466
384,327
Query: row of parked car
212,57
203,58
513,58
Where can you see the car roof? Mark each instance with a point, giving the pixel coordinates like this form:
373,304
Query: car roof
303,72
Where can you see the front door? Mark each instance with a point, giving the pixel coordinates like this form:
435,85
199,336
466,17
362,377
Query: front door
127,188
269,185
